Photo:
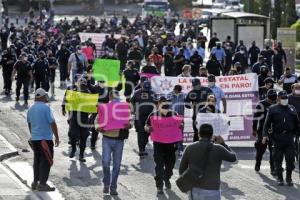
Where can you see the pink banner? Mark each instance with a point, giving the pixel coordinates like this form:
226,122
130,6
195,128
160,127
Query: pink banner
113,116
89,53
148,75
166,129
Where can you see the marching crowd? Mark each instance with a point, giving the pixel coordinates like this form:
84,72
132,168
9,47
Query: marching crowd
31,54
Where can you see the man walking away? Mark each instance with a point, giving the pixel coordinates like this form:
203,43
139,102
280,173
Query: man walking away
42,126
208,187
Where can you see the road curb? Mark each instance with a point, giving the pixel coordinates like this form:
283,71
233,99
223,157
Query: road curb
12,151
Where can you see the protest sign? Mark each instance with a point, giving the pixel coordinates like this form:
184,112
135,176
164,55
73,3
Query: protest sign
241,93
114,115
219,122
82,102
166,129
107,70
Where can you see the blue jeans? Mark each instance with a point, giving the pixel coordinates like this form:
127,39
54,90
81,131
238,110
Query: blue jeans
114,148
202,194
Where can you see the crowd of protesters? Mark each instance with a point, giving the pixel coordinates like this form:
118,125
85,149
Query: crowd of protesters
32,53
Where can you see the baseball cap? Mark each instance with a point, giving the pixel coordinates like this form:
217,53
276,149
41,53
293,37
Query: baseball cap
269,80
195,82
283,94
271,92
211,78
40,92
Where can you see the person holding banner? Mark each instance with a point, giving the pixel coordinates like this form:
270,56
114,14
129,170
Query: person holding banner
77,119
112,144
218,93
258,123
42,126
196,99
160,124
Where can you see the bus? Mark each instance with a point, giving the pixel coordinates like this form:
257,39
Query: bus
159,8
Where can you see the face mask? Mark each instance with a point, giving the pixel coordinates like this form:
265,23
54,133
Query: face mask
284,102
211,84
242,52
165,107
25,58
297,92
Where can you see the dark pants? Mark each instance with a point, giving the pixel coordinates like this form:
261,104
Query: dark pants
287,150
7,72
63,70
39,83
94,137
278,71
41,166
164,158
196,135
142,136
77,133
261,149
25,83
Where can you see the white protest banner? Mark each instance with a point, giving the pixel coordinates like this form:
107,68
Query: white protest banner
219,122
241,93
97,39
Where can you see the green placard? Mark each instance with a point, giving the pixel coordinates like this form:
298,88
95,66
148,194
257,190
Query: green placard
107,70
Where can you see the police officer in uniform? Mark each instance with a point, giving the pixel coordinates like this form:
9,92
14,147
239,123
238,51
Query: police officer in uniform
8,60
143,102
281,127
24,74
76,118
258,123
41,72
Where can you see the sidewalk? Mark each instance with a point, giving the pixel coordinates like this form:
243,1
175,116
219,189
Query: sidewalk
11,188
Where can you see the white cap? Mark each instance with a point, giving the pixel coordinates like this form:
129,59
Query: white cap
40,92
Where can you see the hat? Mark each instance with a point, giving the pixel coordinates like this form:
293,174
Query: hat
271,92
162,99
146,85
196,82
269,80
40,92
211,78
283,94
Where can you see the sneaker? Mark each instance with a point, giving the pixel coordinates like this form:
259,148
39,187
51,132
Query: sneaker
72,154
113,192
81,159
45,188
257,167
106,190
168,184
160,190
34,185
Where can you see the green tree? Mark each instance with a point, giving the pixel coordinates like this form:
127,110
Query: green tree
265,7
290,10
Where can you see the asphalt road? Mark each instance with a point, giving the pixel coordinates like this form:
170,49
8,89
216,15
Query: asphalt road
76,180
